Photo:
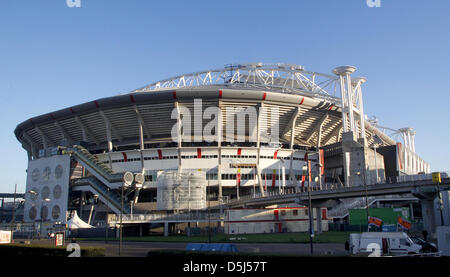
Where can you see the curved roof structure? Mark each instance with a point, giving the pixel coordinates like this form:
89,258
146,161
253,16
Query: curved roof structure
308,98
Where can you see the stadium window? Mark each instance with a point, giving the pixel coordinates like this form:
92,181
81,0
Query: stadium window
295,212
283,212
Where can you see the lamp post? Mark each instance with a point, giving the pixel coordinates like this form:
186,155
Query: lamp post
237,163
366,196
128,179
13,214
209,214
306,170
377,141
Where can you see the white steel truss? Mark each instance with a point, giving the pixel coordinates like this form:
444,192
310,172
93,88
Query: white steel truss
287,78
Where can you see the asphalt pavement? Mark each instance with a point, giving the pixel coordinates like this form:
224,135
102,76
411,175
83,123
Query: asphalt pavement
140,249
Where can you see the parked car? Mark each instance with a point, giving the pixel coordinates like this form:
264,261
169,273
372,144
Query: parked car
427,247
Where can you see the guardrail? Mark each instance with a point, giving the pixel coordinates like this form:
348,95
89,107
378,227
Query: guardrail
328,187
159,217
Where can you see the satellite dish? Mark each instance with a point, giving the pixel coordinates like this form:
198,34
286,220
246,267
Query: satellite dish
139,178
128,178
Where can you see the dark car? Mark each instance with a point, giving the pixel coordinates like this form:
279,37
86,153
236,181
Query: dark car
427,247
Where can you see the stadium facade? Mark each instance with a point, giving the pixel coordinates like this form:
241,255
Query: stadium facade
249,129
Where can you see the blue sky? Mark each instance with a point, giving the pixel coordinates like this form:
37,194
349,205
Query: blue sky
53,56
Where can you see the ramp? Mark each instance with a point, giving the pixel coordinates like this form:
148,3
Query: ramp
103,181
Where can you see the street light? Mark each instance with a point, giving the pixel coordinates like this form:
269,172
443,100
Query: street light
306,170
13,213
128,178
237,163
377,141
367,197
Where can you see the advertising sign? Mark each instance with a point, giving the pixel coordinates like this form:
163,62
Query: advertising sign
59,239
5,236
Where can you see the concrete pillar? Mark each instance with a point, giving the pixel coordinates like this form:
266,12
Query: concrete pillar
411,210
318,220
428,215
446,207
166,229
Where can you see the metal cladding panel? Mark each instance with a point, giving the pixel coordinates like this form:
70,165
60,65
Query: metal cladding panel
153,97
183,94
283,97
115,101
243,94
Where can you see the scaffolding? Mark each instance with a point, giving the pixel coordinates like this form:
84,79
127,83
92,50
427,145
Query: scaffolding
181,190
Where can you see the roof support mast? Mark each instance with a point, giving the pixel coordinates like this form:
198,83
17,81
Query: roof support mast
352,109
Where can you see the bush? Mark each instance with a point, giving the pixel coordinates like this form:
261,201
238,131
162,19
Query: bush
14,250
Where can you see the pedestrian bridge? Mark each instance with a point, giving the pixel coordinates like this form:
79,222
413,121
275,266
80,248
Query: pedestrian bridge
420,185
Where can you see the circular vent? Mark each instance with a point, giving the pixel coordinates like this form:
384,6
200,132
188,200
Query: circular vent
58,171
35,175
34,193
44,212
57,192
56,212
45,193
32,213
46,173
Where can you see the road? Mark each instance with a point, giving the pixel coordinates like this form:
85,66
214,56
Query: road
140,249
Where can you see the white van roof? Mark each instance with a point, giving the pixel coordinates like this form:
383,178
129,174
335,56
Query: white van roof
383,235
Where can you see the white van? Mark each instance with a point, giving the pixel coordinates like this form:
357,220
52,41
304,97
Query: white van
377,244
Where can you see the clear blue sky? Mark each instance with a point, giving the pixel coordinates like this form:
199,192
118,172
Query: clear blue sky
53,56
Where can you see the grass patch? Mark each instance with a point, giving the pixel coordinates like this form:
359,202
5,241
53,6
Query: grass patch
325,237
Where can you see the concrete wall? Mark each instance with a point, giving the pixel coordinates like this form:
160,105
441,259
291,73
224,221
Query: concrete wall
257,221
364,158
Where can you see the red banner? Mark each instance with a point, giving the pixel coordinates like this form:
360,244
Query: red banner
322,161
375,221
404,223
238,179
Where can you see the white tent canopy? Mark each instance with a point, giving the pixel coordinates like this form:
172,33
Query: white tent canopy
77,223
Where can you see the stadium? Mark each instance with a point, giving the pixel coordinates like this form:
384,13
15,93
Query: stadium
242,130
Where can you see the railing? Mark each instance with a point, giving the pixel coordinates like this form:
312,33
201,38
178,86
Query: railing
103,171
342,209
99,168
110,196
162,217
331,186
